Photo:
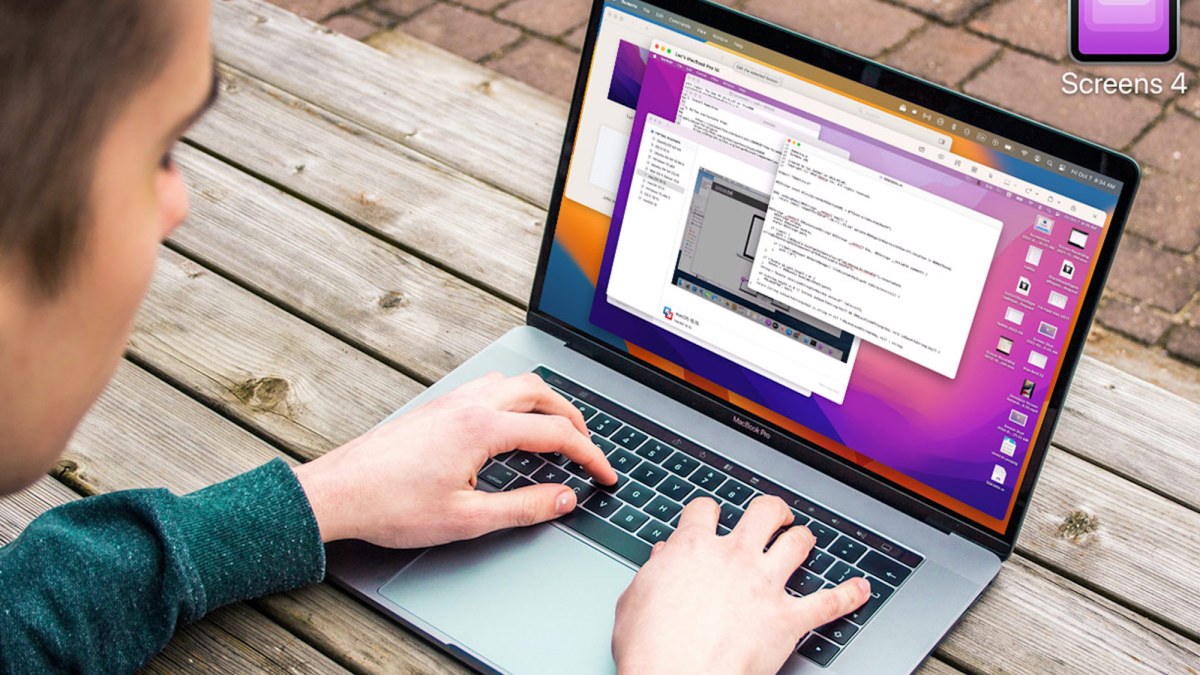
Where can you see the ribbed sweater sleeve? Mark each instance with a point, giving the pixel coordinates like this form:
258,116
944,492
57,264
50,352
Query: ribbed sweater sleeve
101,584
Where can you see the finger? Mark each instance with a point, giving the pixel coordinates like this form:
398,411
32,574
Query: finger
656,548
478,383
790,549
826,605
700,513
765,515
522,507
550,433
529,393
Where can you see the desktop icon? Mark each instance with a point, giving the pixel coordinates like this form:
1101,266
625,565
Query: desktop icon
1008,446
1004,346
1014,315
1067,270
1048,330
1124,31
1078,239
1044,224
1057,299
1018,418
1023,285
1027,388
1033,256
999,474
668,314
1038,360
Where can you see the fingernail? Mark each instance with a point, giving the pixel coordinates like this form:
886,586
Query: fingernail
564,503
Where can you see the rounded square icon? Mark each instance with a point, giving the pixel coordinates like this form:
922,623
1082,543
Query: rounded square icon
1124,31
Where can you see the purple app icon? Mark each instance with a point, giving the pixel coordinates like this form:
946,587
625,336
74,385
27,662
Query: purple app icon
1124,30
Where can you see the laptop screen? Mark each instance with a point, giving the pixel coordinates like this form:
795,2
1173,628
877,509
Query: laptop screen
889,283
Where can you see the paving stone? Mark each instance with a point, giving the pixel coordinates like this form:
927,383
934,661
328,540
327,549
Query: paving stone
1137,321
547,17
315,9
541,64
1184,342
575,37
461,31
1172,145
1032,87
1189,44
1036,25
951,11
352,26
401,8
1190,11
1161,278
864,26
943,55
1167,210
1191,103
482,5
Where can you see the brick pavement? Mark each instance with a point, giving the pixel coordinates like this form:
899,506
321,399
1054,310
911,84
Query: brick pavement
1010,52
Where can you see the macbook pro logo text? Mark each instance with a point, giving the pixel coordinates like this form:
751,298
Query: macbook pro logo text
751,427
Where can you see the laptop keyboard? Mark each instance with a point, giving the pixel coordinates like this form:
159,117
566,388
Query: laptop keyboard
659,472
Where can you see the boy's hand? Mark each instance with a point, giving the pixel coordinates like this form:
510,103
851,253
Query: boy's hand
411,483
709,604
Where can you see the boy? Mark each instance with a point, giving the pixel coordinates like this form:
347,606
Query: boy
95,96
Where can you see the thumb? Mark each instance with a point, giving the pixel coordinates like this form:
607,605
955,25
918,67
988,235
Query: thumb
523,507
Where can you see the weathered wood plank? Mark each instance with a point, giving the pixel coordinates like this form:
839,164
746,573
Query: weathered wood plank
1135,428
272,371
442,105
360,287
234,640
420,203
1124,540
192,447
1031,621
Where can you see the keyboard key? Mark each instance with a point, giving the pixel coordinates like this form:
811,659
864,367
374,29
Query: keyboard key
629,437
733,491
722,530
582,490
839,630
550,474
577,469
606,446
804,582
497,474
708,478
622,479
662,508
524,462
623,460
823,533
585,409
630,519
681,464
556,458
879,565
635,493
676,488
730,515
697,494
841,572
655,451
655,532
603,425
818,649
800,518
520,482
880,592
603,505
818,561
648,474
847,549
607,535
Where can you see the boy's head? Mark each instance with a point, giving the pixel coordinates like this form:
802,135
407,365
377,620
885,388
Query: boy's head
96,94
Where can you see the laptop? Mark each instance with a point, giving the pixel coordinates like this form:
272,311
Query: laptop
775,267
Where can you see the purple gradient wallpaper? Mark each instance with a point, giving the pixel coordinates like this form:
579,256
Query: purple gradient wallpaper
625,88
948,434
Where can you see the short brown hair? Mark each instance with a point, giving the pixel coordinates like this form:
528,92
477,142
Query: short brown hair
67,67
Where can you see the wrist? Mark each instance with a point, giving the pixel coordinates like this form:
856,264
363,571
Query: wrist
319,490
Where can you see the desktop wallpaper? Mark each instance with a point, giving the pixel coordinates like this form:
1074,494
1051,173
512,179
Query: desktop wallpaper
935,436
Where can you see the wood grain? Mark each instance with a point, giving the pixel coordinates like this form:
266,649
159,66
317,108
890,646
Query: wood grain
421,204
471,118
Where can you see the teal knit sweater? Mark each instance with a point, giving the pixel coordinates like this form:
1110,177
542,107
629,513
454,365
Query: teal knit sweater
101,585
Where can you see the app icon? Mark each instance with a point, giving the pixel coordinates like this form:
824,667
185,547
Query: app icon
1067,270
1008,447
1044,224
1124,31
668,314
1023,285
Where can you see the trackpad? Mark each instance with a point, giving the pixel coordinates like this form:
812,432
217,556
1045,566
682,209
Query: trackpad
534,600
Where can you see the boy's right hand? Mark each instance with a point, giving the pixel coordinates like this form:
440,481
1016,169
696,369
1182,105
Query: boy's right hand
716,604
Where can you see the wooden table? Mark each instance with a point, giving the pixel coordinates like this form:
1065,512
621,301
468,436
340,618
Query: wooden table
362,223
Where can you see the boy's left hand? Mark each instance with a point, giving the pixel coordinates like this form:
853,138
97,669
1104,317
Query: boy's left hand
411,482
